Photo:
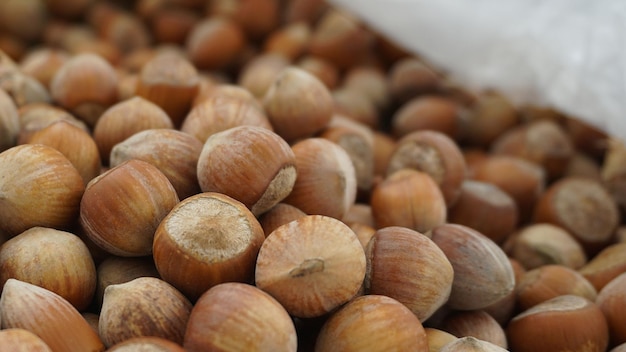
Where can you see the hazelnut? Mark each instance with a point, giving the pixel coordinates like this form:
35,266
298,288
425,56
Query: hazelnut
549,281
482,272
18,339
408,198
124,119
542,244
74,143
71,276
237,316
97,84
9,122
297,104
606,265
542,142
478,324
118,270
173,152
47,315
205,240
220,112
278,215
485,208
522,180
146,343
427,112
214,43
326,182
145,306
405,265
564,323
29,179
122,207
410,77
340,38
251,164
611,300
583,207
372,323
488,118
171,82
311,265
435,154
290,41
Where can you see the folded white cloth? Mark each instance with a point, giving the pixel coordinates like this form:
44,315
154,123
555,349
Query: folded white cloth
565,54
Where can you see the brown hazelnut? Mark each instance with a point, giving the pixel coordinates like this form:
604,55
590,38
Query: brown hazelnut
122,207
374,323
564,323
297,104
207,239
251,164
408,198
241,317
549,281
405,265
482,272
311,265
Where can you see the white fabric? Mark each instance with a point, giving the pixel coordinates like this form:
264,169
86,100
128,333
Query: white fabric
565,54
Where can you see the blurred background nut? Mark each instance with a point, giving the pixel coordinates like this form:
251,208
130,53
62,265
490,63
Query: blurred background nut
297,104
86,85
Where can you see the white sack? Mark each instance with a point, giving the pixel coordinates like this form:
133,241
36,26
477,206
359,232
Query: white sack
565,54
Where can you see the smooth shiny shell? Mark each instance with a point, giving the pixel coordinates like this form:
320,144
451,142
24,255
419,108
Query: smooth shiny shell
406,265
372,323
311,265
239,317
482,272
29,179
122,208
145,306
33,257
47,315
